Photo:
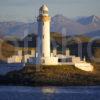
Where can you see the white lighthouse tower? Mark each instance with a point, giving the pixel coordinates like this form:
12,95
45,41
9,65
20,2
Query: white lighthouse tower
43,41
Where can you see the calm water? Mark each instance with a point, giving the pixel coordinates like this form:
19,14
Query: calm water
5,68
49,93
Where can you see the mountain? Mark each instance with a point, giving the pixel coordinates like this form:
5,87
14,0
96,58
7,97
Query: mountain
91,23
89,20
66,26
16,29
59,23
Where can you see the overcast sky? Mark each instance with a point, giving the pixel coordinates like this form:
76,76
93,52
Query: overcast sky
27,10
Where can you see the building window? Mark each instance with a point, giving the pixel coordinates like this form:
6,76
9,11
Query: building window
45,12
64,60
59,60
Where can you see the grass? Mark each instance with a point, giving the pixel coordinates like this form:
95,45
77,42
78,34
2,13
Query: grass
52,76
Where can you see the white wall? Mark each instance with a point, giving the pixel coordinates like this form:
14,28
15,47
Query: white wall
84,66
76,59
49,61
14,59
18,58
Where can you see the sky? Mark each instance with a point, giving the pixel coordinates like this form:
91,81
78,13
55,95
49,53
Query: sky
27,10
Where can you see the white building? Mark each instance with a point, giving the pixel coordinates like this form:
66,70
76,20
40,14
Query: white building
43,55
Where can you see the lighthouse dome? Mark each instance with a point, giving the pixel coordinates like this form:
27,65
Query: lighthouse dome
44,8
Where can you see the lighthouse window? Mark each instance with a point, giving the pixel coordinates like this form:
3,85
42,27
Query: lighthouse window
43,36
45,12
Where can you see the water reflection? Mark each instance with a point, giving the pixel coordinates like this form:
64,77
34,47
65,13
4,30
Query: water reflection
49,90
49,93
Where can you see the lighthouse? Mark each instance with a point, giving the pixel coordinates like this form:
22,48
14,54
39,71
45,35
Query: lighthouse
43,39
42,55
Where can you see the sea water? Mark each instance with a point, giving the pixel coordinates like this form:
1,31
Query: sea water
50,93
